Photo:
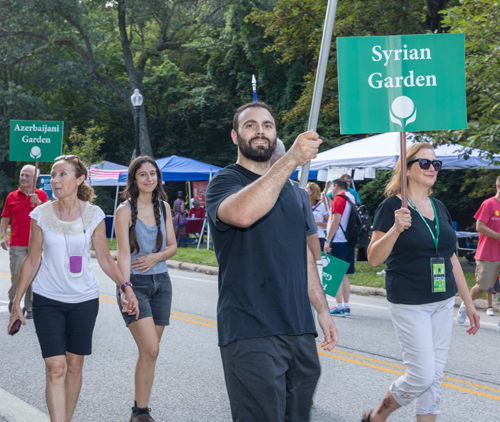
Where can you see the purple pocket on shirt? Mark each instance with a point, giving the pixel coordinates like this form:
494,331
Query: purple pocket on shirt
75,264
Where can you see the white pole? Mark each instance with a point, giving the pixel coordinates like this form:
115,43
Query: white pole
320,78
201,234
114,212
208,225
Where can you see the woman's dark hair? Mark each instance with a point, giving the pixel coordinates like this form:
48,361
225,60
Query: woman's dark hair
131,193
180,194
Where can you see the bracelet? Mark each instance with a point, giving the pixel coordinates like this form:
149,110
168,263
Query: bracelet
319,262
124,285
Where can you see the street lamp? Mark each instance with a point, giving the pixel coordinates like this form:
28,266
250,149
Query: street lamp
136,99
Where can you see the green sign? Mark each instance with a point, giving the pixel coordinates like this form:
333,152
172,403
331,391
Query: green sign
334,270
35,141
401,83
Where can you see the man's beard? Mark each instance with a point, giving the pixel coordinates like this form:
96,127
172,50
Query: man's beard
258,154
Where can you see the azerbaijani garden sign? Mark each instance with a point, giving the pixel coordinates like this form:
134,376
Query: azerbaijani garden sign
35,140
401,83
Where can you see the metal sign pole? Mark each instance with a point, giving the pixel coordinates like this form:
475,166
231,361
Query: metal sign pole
34,182
404,183
320,78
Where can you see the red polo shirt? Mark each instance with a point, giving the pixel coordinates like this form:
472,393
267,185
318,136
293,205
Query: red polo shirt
17,208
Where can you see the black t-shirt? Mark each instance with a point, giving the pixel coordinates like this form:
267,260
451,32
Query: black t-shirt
263,268
408,273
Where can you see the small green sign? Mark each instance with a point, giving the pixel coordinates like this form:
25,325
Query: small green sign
334,270
35,140
401,83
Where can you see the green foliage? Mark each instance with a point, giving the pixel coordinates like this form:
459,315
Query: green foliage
86,146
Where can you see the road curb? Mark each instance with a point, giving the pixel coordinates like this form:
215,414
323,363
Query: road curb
480,304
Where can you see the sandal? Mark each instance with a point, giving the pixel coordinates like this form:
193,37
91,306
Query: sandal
365,418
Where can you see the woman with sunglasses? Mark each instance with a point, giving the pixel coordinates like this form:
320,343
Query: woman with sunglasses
423,275
146,239
65,290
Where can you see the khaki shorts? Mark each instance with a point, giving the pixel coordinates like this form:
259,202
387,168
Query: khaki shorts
487,273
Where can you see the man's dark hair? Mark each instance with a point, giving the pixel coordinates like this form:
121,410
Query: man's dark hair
341,183
250,105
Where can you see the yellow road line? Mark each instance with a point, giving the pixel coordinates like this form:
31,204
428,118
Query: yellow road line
192,319
3,276
468,390
365,358
195,317
109,297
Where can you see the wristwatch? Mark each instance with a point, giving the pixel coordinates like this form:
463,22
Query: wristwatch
124,285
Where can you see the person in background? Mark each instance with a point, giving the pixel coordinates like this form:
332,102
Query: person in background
16,212
336,243
65,289
313,242
352,191
197,211
423,275
179,212
488,249
491,296
319,211
146,239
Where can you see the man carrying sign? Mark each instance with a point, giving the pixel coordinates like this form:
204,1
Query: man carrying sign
18,206
267,275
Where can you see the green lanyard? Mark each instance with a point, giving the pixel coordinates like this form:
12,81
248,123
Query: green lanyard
436,237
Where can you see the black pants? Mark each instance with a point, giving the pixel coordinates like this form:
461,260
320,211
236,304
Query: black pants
271,379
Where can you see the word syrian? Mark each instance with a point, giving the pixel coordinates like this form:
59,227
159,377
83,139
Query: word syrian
376,80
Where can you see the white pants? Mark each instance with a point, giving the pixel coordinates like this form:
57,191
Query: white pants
424,333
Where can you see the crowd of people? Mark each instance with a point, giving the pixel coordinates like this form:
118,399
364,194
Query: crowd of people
268,236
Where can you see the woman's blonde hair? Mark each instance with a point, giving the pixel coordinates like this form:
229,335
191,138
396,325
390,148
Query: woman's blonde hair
315,191
394,185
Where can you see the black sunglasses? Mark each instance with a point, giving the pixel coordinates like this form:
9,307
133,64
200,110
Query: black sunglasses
425,164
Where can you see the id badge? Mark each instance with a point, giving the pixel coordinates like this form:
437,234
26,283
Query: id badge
438,275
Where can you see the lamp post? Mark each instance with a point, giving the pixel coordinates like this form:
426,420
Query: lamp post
136,99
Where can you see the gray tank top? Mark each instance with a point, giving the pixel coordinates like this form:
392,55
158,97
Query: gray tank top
146,238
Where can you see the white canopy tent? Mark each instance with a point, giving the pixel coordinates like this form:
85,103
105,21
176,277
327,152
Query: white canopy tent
382,152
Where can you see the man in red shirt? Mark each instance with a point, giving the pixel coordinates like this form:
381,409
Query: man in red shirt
488,248
197,211
337,245
18,206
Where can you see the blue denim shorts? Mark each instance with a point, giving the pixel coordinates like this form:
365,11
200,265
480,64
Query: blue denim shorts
154,293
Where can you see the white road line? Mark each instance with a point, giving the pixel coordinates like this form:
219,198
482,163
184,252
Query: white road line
194,279
15,410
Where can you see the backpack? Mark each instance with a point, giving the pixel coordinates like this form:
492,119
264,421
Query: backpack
359,226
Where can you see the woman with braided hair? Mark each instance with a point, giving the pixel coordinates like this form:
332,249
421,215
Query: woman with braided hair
146,239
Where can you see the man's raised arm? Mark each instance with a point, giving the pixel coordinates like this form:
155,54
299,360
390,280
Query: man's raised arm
254,201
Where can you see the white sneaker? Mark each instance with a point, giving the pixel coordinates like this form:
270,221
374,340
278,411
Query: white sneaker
461,315
495,297
490,312
381,272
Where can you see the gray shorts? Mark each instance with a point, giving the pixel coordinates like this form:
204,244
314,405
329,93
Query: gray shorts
154,293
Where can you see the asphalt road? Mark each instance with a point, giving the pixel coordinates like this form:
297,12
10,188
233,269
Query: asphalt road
189,383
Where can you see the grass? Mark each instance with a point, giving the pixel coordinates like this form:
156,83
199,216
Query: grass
365,274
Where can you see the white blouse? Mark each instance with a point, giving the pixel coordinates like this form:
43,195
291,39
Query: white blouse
61,239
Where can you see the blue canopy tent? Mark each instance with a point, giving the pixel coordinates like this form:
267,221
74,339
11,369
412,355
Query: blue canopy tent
180,169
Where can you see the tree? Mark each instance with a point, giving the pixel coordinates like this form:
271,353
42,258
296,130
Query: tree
295,30
114,40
